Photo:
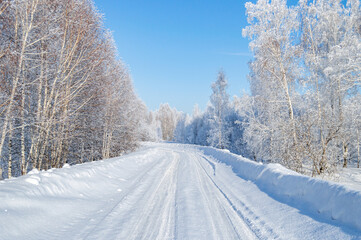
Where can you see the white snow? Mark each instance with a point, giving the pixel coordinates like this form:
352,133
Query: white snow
350,177
175,191
330,200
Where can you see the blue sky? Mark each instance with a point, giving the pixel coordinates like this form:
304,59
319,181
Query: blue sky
175,48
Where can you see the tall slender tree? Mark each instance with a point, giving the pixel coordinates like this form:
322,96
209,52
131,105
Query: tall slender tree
219,108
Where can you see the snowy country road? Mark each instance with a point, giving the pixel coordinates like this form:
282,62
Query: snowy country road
162,191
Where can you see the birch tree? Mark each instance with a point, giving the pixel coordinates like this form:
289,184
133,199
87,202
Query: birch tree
331,45
273,32
219,132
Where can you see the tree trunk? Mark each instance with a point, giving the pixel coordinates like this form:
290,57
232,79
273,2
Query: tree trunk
345,153
35,141
290,107
22,166
358,149
10,147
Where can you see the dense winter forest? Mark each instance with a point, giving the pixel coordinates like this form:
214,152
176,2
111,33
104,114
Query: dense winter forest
304,110
64,95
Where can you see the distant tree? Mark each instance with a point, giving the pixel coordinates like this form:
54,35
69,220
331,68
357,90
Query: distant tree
168,118
219,108
180,133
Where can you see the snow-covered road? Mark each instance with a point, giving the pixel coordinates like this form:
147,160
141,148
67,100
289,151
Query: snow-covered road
162,191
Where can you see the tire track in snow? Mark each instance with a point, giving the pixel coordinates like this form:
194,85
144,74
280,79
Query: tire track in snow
167,231
168,180
260,230
238,227
125,195
207,200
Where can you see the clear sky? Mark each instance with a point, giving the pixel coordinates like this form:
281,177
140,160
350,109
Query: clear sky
174,48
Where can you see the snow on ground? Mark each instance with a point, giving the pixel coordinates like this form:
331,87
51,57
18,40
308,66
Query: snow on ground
350,177
174,191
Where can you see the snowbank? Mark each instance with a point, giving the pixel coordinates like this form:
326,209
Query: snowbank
330,200
66,203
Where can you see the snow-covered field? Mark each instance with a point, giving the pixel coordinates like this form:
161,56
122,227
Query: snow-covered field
175,191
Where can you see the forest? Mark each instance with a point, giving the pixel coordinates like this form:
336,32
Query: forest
65,97
304,107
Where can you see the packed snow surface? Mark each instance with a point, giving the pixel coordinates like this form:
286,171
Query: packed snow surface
174,191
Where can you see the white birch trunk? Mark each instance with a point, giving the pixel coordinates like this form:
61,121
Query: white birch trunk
10,146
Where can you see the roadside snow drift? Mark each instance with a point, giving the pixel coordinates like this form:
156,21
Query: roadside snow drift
329,199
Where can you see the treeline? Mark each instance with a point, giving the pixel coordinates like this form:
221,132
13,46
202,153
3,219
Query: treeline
218,126
64,95
304,110
305,107
161,124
